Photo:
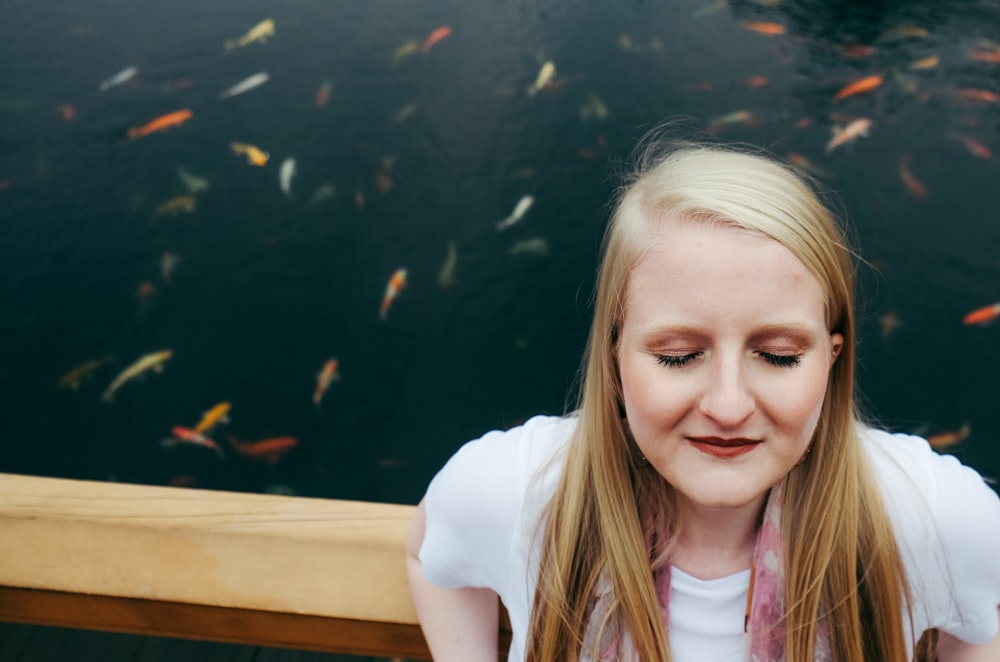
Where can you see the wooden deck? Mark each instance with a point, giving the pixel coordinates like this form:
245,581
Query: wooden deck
131,572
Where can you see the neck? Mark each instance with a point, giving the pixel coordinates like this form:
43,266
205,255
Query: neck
716,542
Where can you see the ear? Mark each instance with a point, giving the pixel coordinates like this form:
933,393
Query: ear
836,345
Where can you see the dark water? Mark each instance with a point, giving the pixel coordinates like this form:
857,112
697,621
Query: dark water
269,288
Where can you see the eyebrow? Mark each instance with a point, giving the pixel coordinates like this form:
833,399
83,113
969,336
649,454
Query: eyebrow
802,332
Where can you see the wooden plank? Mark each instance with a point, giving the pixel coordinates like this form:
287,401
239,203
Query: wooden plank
339,559
267,570
207,623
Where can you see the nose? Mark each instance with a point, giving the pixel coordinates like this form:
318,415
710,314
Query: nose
727,398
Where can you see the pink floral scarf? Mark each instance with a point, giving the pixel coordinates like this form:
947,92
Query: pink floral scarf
765,631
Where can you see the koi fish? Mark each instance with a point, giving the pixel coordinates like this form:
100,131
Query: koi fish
863,85
187,435
405,50
973,146
856,129
323,93
255,156
983,55
545,76
285,177
804,164
168,263
153,361
326,376
405,112
764,28
83,371
259,32
123,76
434,37
175,118
174,206
735,117
535,246
245,85
68,112
214,416
192,183
267,450
928,62
324,192
446,276
594,107
914,31
396,284
973,94
946,440
889,322
915,186
520,209
982,315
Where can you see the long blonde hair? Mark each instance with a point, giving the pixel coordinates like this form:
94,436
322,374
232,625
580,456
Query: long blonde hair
610,516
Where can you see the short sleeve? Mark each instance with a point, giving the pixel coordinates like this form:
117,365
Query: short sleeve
475,505
947,521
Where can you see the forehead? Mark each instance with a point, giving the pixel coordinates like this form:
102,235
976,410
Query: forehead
691,267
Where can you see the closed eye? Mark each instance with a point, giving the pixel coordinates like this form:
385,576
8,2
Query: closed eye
781,360
676,360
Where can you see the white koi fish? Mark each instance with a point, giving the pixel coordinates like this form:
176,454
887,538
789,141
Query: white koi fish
245,85
285,177
152,362
192,183
522,207
123,76
446,276
259,32
324,192
545,76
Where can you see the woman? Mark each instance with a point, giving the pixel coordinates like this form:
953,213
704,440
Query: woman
715,496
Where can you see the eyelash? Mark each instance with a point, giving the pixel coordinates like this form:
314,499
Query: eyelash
777,360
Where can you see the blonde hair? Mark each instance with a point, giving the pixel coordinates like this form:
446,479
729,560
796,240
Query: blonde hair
610,516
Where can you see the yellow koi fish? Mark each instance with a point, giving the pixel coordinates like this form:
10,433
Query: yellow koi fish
73,378
405,50
176,205
217,414
255,156
259,32
446,276
148,362
545,76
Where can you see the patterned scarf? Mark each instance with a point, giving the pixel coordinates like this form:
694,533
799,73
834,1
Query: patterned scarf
765,630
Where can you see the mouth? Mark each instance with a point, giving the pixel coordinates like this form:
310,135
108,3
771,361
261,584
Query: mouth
725,448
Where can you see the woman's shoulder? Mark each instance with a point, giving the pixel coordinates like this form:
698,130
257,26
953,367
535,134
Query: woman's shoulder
519,451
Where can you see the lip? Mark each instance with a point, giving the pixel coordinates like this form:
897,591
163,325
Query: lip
724,448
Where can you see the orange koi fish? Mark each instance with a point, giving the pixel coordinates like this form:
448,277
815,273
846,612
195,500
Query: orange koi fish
765,28
928,62
857,87
323,93
326,376
856,129
889,322
175,118
189,436
435,37
74,377
175,205
265,450
255,155
68,112
915,186
974,147
946,440
982,55
982,315
973,94
214,416
396,283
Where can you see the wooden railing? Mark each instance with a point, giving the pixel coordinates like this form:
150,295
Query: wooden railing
256,569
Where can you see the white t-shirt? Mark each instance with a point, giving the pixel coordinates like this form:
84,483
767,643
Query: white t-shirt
484,506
